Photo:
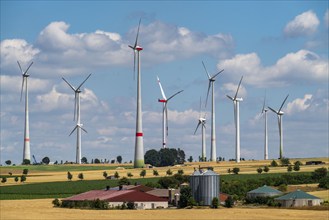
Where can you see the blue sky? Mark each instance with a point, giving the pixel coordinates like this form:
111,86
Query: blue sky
279,46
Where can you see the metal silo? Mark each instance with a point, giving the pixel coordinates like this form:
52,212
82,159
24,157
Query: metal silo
205,186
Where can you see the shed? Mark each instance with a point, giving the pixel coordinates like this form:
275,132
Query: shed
298,198
263,191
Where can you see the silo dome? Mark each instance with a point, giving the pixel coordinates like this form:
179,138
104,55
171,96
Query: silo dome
205,186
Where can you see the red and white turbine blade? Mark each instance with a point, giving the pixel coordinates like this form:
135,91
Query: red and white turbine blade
236,94
283,103
162,92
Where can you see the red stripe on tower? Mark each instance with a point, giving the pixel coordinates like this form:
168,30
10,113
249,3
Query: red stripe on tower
26,139
139,134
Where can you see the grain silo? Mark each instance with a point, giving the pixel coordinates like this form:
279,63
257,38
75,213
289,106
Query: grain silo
205,186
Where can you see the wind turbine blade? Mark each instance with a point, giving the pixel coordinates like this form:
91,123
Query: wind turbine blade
72,87
83,129
236,94
272,110
84,81
22,88
263,107
200,107
197,127
283,103
162,92
28,68
174,95
214,76
230,97
137,33
20,67
73,130
206,70
208,93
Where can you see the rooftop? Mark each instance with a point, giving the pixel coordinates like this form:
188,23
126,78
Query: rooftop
298,194
265,189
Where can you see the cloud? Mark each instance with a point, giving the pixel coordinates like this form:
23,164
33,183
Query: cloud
14,84
303,25
299,104
302,66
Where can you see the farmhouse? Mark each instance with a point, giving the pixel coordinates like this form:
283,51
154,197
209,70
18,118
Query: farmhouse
298,198
264,191
116,198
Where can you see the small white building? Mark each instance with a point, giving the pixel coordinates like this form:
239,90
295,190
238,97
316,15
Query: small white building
298,198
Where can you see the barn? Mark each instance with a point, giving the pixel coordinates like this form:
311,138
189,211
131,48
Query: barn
263,191
298,198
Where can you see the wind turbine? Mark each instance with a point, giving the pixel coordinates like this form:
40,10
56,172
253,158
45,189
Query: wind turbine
213,121
264,112
165,101
280,113
236,101
26,149
202,122
76,116
139,146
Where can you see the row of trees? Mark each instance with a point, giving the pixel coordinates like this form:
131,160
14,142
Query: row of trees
164,157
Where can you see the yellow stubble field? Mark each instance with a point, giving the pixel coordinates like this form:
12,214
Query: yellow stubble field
42,209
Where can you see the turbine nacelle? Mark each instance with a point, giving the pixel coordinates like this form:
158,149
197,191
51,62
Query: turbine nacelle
162,100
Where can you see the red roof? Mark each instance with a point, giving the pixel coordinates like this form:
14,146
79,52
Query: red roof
117,196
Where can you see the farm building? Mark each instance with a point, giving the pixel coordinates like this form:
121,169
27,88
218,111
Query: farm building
116,198
298,198
263,191
132,187
205,186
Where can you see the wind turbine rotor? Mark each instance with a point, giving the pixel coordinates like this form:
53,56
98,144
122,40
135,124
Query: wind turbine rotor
283,103
83,82
236,94
273,110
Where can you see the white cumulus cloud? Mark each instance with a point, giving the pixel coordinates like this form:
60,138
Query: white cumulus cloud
299,104
302,25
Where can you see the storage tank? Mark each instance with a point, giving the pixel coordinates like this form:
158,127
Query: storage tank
205,186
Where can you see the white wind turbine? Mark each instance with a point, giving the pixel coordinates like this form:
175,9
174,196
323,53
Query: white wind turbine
78,126
264,112
165,101
280,113
139,145
202,122
213,121
236,101
26,150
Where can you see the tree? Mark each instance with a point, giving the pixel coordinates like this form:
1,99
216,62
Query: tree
289,168
324,182
296,167
180,172
229,202
229,170
4,179
266,169
190,159
116,175
274,163
236,170
112,161
284,161
169,172
46,160
97,160
143,173
215,203
119,159
259,170
10,173
283,187
23,178
25,171
92,161
105,174
319,173
80,176
185,195
16,179
8,162
84,160
124,181
130,175
155,173
180,156
26,162
69,176
298,162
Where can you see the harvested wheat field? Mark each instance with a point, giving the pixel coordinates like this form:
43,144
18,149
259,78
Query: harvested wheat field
42,209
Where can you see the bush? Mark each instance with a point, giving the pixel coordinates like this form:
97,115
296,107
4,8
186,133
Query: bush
26,162
8,162
80,176
229,202
16,179
169,172
56,202
319,173
23,178
285,161
25,171
215,203
259,170
69,176
289,168
168,182
296,167
124,181
266,169
324,182
181,172
274,163
155,173
283,187
236,170
130,175
143,173
116,175
185,197
4,179
130,205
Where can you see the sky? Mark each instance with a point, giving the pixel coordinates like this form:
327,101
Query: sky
280,47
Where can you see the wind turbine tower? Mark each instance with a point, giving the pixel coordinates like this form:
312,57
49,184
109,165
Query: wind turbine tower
213,121
76,117
236,101
202,122
165,101
26,150
264,112
280,113
139,145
